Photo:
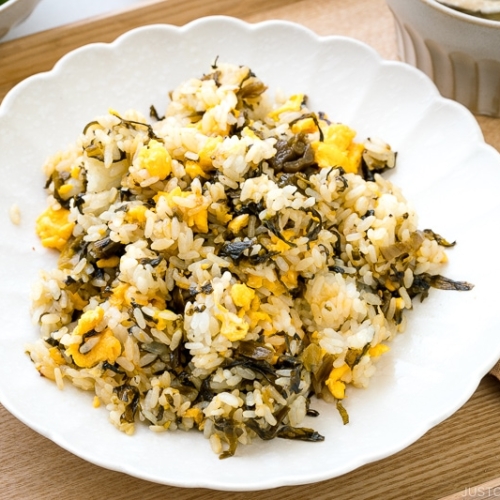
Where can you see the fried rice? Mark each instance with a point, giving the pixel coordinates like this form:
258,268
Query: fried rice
222,266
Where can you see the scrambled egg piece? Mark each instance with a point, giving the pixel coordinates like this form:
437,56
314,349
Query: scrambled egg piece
238,223
208,151
163,318
245,297
275,287
196,216
193,169
137,214
127,294
338,149
196,414
221,212
75,172
54,228
108,348
378,350
118,295
242,295
88,321
248,132
111,262
77,301
155,159
278,245
294,103
65,190
56,356
306,126
256,314
290,279
334,382
232,326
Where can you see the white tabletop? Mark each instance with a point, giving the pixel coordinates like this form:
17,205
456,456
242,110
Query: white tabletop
53,13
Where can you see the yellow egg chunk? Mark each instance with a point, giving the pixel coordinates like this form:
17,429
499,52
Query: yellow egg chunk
334,384
274,286
199,221
278,245
77,301
163,318
75,172
221,213
56,356
378,350
294,103
137,214
196,414
306,126
232,327
242,295
118,297
195,216
290,278
254,281
337,389
193,169
256,316
156,160
65,189
54,228
338,149
207,151
88,321
111,262
238,223
108,348
169,196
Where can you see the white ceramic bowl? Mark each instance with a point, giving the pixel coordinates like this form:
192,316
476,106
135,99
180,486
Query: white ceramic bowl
459,52
14,12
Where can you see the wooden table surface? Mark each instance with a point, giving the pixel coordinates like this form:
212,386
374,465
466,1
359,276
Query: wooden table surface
451,460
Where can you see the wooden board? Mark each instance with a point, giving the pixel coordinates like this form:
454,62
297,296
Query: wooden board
450,459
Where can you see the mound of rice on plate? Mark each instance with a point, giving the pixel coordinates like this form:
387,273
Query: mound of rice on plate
223,264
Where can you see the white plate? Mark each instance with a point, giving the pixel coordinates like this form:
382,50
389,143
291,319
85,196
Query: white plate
445,170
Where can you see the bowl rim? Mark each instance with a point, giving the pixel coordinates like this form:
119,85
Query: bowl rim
468,18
